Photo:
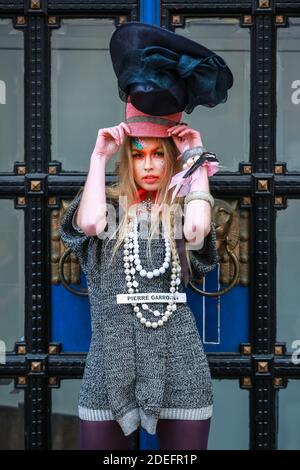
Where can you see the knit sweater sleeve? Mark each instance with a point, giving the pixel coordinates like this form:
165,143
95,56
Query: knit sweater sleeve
204,260
74,224
75,238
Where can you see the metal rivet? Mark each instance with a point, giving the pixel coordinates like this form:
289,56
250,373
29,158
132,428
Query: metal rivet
246,200
22,380
35,185
52,201
21,170
247,382
279,350
35,4
52,20
53,381
263,366
20,19
52,170
176,19
123,19
263,185
263,3
247,169
53,349
36,366
247,19
278,169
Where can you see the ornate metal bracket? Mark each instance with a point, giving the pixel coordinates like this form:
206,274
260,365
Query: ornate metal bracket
232,283
232,229
81,292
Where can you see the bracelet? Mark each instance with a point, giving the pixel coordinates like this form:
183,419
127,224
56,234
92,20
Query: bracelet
206,196
192,152
196,157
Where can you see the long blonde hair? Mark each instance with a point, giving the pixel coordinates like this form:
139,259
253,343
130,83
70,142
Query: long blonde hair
127,187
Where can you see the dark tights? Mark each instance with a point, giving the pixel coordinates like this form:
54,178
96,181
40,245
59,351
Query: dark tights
173,434
179,434
102,435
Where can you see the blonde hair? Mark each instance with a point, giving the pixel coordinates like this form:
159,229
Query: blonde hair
126,191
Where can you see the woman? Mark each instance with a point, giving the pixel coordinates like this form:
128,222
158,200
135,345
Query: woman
146,365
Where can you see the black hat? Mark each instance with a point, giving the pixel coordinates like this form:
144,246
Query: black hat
164,73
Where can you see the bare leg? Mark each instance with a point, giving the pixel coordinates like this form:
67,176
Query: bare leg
102,435
179,434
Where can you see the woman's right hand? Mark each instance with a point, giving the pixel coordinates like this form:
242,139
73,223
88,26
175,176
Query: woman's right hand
109,140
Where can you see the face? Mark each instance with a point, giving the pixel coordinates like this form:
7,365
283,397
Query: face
148,159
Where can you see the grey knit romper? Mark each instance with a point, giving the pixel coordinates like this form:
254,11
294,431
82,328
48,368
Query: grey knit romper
134,374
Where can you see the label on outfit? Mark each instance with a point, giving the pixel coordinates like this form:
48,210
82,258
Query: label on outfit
165,297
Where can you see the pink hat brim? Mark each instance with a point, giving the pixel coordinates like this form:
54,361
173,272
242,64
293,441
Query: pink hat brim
147,129
144,125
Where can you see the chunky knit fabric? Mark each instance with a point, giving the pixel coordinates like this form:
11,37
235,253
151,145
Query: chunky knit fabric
133,374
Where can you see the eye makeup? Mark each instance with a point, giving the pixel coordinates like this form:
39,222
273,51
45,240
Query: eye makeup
156,154
141,150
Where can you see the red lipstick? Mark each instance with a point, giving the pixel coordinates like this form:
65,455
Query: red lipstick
150,179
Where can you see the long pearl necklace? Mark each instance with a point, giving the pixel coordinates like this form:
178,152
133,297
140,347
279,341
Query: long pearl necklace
133,266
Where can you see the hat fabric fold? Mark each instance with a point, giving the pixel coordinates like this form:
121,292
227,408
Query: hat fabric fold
164,72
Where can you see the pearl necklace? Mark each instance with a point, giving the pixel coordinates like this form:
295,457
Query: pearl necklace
133,265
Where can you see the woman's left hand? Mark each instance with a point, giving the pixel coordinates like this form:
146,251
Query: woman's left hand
184,137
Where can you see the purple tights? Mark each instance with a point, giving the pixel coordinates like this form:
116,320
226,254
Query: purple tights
173,434
179,434
102,435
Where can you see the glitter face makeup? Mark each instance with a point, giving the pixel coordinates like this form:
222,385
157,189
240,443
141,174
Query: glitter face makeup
138,143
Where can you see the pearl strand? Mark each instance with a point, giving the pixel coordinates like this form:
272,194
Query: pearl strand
137,261
131,257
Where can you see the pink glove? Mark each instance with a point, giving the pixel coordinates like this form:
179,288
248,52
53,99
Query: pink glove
109,140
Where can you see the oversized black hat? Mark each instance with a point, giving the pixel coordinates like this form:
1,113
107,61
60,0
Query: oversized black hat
164,72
